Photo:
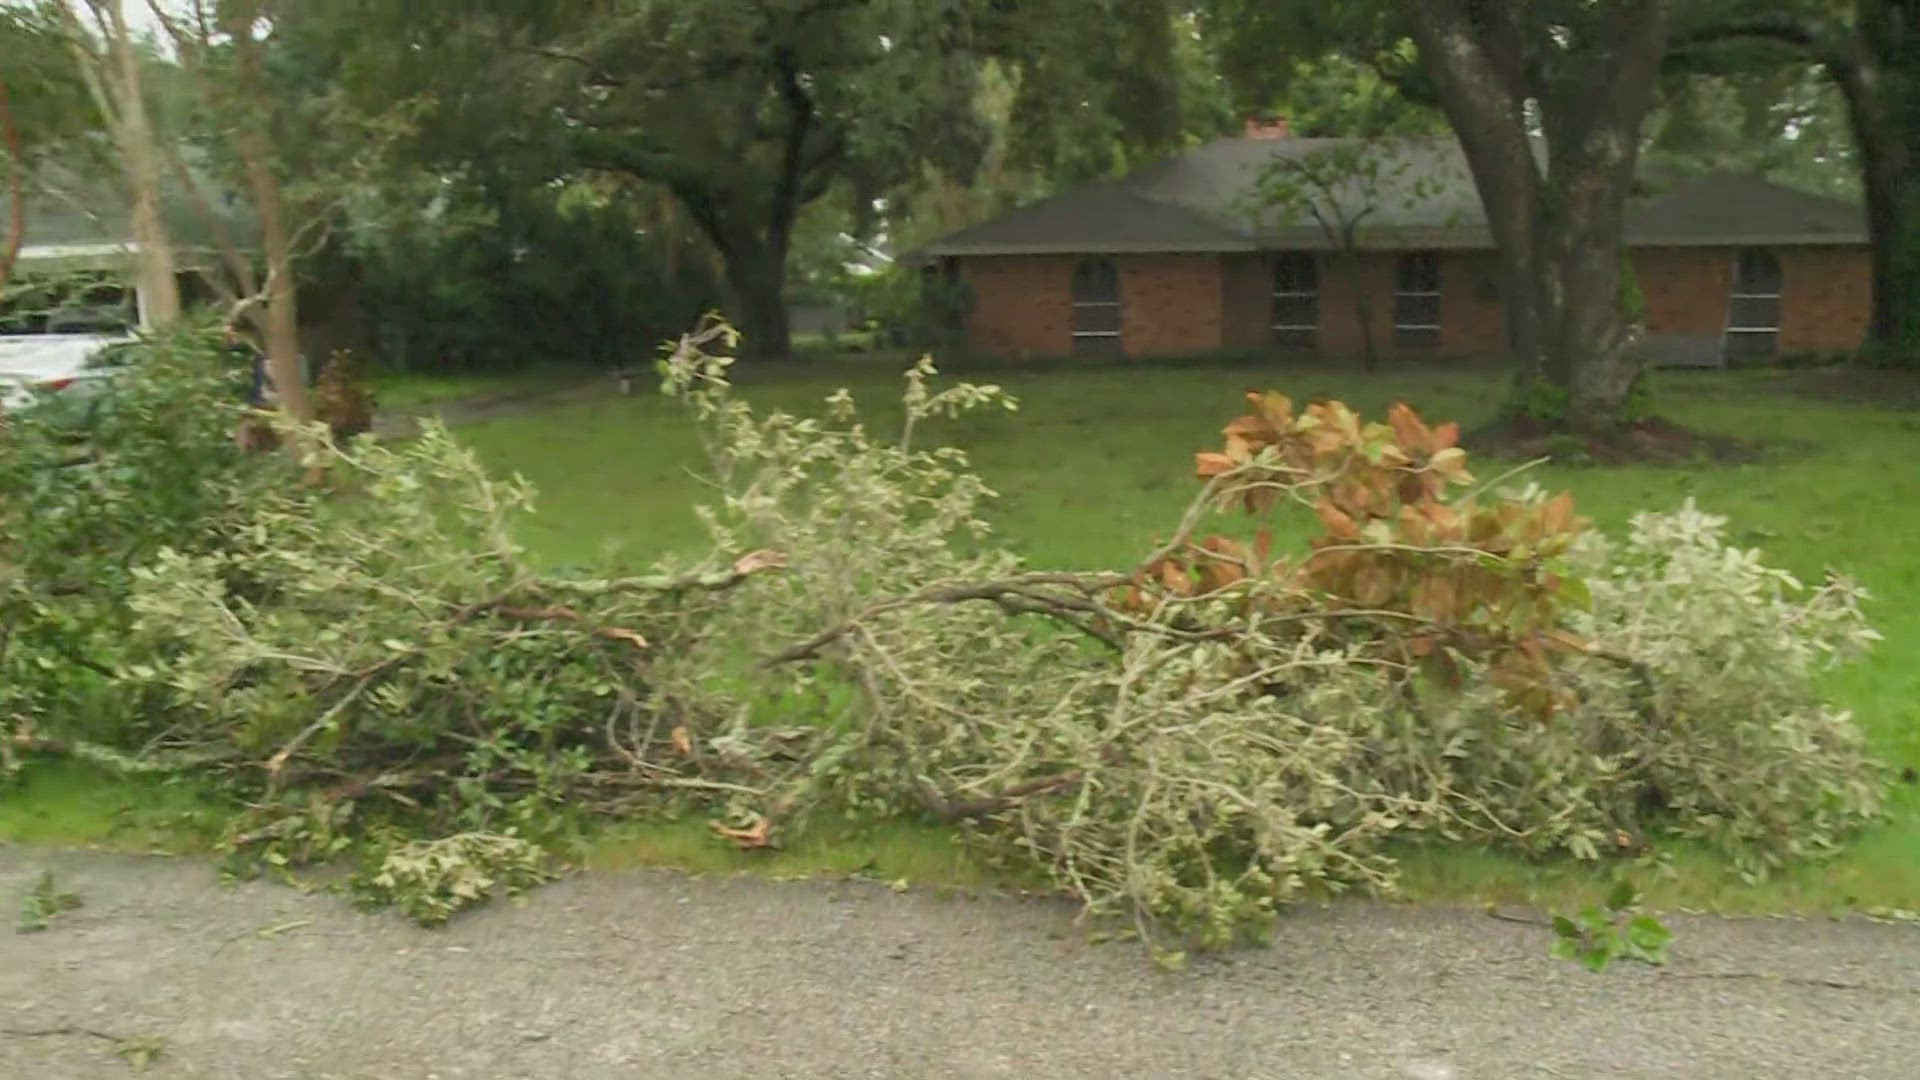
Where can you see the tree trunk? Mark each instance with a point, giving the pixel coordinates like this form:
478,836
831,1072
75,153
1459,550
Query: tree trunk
1881,87
1363,310
756,272
1560,231
280,323
159,285
1875,64
16,187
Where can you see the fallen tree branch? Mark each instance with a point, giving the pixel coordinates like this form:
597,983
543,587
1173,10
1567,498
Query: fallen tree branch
953,810
1023,590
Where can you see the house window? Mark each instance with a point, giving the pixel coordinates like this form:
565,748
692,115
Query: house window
1753,317
1296,300
1096,308
1416,300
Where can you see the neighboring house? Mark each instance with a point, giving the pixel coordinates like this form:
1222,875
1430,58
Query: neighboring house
85,227
1174,260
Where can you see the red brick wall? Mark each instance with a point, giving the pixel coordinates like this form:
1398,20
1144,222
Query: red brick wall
1171,305
1185,304
1826,294
1471,325
1022,304
1826,303
1687,290
1246,302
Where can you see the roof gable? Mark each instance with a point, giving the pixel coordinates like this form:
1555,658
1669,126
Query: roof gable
1202,200
1107,218
1741,208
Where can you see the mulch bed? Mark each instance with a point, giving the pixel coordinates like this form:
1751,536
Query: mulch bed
1892,388
1646,442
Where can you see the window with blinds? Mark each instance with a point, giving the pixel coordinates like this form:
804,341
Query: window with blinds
1096,308
1416,300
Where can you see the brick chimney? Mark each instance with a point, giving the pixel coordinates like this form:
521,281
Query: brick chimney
1268,127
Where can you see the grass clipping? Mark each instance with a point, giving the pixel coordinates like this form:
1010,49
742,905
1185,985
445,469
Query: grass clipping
1187,743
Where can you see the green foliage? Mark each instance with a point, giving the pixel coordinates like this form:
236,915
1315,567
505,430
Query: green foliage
491,277
1713,705
1618,931
367,659
27,298
49,103
925,306
430,881
43,902
1551,405
157,470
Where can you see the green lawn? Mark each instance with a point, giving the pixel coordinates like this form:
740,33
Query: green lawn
1096,464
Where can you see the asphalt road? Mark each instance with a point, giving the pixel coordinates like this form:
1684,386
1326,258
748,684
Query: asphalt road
644,974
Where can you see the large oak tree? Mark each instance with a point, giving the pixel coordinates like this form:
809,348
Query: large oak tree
749,111
1870,49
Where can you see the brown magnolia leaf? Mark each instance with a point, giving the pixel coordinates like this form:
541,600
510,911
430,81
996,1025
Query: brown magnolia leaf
1215,576
1263,546
1452,464
1174,579
1409,430
682,741
1445,519
1373,586
1446,435
1273,407
1339,525
1209,465
1556,514
1413,526
1434,598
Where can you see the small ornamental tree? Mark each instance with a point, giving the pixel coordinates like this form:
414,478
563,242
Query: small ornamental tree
1339,188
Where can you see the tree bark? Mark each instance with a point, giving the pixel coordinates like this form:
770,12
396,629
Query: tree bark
1559,229
16,187
159,284
280,323
756,272
113,80
1875,65
1882,91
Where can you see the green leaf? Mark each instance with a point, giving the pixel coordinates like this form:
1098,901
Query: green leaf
1622,896
1649,937
1574,591
1565,927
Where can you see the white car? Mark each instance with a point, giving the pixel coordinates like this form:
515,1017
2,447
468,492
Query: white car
34,366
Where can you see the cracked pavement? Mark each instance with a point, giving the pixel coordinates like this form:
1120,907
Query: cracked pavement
654,974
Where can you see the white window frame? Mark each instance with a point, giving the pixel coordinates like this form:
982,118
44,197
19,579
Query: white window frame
1116,304
1435,328
1273,305
1735,295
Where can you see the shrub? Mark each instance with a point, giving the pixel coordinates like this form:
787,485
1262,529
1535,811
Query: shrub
80,509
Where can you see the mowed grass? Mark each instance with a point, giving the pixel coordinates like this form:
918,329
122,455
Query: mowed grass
1095,466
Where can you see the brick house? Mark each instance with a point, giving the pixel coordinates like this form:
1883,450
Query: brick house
1174,260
